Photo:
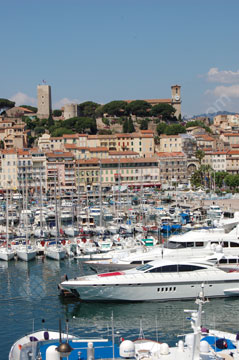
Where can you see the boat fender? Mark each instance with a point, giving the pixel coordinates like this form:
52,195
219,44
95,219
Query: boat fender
204,347
181,345
164,349
90,351
52,353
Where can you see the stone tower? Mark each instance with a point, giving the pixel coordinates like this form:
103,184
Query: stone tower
44,101
176,99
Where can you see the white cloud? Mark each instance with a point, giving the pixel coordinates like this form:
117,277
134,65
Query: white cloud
224,76
23,99
64,101
229,91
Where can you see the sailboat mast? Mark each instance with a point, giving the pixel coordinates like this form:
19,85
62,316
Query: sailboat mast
56,210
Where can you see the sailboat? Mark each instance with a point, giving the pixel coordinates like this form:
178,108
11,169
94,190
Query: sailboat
26,252
55,251
7,253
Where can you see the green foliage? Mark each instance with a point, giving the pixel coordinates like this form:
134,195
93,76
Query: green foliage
57,112
50,122
105,132
39,130
138,108
199,154
164,111
232,181
77,125
106,121
131,127
6,103
175,129
144,124
161,128
99,111
31,108
219,178
30,141
58,132
115,108
1,144
125,125
198,123
88,108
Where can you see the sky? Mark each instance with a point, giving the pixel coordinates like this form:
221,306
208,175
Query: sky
104,50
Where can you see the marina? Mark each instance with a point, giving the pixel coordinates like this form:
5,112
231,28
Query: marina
27,298
29,284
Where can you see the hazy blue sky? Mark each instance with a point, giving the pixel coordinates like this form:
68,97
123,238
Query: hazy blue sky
103,50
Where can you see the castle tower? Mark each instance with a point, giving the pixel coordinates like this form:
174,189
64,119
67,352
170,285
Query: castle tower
44,101
176,99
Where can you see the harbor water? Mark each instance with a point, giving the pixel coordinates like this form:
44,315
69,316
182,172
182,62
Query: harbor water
28,294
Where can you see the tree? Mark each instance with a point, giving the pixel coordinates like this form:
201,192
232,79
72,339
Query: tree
200,155
5,103
164,111
198,123
88,108
115,108
161,128
138,108
131,127
99,111
57,112
61,131
50,121
31,108
144,124
175,129
125,125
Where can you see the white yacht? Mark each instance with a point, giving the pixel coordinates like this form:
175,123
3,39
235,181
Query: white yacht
55,252
26,252
159,280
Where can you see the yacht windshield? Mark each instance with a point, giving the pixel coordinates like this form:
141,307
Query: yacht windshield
144,267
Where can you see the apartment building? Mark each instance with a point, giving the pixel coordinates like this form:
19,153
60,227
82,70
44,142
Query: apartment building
9,169
60,170
230,139
232,162
204,141
170,143
216,159
172,167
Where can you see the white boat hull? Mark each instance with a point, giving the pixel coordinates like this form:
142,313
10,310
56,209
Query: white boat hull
26,254
55,254
6,254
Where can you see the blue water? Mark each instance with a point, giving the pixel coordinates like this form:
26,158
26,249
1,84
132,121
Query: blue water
28,294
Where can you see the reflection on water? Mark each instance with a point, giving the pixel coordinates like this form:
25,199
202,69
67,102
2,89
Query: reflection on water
29,291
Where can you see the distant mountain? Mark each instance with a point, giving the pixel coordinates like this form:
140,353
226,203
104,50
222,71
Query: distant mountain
211,115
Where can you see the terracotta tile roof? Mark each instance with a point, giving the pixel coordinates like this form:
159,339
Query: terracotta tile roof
153,101
98,149
59,154
125,160
170,154
23,152
204,137
70,136
169,136
9,151
87,161
128,152
231,134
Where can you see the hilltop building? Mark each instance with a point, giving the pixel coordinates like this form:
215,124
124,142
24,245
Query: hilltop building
175,100
44,101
